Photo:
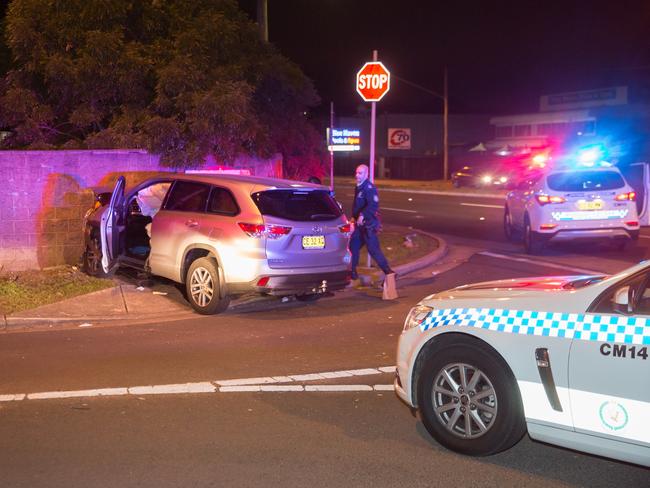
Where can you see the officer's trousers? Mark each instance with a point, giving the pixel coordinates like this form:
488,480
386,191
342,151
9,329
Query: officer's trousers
361,236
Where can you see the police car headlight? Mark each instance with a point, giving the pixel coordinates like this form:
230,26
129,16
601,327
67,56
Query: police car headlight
416,316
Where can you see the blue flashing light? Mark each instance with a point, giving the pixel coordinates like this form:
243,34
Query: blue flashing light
589,156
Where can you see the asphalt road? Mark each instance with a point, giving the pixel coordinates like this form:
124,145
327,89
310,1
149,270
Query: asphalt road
478,221
293,438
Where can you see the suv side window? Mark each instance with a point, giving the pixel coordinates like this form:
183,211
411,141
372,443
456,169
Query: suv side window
222,202
188,196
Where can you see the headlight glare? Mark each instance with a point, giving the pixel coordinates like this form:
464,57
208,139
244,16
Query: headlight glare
416,316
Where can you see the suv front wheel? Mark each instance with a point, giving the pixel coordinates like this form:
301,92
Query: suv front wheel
203,287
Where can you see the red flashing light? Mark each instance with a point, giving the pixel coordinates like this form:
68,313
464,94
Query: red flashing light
632,223
626,197
546,199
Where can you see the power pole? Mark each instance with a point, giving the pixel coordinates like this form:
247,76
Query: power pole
263,19
445,133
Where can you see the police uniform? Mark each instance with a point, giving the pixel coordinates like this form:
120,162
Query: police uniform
366,203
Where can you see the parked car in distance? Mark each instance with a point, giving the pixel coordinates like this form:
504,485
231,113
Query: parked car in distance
572,202
223,236
564,358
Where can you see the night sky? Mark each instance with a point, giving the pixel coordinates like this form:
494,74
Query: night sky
501,55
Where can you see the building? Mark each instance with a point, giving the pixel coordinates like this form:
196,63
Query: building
409,146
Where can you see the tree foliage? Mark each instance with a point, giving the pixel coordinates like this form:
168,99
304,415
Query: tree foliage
182,78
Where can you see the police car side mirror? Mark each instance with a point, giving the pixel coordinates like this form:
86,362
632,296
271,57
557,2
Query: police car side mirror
624,300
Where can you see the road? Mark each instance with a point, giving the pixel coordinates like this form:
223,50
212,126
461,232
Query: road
355,434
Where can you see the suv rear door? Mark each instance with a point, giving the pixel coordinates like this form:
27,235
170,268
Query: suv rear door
111,227
314,239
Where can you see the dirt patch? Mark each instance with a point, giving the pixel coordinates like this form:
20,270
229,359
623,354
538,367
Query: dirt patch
30,289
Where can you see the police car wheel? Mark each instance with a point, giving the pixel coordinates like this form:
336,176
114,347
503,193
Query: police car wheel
202,287
469,400
508,228
532,242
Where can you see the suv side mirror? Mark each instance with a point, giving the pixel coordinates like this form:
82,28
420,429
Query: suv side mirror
624,300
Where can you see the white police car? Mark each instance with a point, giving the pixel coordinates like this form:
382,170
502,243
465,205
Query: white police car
592,201
565,358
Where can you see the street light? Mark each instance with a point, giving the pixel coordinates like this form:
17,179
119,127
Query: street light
445,117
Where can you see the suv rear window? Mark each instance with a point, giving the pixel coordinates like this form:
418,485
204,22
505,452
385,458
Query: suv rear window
585,180
297,205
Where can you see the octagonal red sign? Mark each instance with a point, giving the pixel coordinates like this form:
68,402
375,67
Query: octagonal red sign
373,81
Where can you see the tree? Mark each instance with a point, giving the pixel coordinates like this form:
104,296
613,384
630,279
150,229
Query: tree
182,78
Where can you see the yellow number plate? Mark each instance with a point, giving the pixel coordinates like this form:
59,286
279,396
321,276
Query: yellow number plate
313,242
593,205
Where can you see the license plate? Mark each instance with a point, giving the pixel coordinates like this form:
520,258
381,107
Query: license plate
313,242
593,205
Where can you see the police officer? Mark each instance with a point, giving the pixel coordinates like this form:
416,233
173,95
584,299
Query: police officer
364,215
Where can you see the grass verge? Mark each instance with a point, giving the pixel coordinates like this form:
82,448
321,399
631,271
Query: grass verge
398,251
30,289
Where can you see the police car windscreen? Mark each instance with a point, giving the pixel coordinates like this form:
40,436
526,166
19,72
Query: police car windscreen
296,205
585,180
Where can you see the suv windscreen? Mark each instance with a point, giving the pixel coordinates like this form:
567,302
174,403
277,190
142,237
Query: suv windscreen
297,205
585,180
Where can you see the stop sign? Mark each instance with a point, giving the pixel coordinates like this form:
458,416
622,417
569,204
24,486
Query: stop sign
373,81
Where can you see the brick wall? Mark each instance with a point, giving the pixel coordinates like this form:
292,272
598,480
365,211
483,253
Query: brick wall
45,194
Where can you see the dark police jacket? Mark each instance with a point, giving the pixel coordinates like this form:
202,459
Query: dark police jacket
366,203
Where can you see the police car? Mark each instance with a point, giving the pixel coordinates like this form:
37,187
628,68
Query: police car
566,359
588,199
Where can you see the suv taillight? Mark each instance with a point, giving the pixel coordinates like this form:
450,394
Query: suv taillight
546,199
626,197
260,230
345,228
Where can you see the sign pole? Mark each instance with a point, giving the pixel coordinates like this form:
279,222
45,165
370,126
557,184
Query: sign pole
331,147
373,117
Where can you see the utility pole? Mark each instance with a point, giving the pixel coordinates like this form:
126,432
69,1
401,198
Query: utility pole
331,147
445,131
373,117
263,19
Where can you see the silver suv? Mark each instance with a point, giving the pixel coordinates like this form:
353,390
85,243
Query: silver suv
223,236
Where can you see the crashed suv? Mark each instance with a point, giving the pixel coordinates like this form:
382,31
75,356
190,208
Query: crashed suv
223,236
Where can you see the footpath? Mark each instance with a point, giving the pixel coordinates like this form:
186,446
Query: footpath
159,302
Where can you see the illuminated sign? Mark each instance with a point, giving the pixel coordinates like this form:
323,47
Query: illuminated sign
399,138
344,140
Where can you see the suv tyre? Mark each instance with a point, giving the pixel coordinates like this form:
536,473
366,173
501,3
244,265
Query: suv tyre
203,287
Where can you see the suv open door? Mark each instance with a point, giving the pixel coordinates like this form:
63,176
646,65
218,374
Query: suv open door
111,226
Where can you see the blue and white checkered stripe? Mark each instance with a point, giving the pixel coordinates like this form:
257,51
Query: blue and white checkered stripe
583,326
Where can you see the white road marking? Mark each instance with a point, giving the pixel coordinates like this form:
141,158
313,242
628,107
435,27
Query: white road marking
338,388
644,237
203,387
260,384
387,369
252,381
541,263
481,205
399,210
78,393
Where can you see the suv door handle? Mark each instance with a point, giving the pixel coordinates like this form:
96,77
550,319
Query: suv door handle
191,223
